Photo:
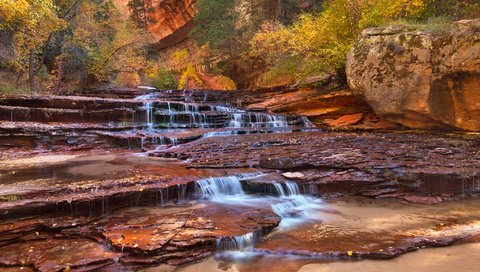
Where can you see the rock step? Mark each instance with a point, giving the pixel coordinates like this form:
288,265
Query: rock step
88,135
96,103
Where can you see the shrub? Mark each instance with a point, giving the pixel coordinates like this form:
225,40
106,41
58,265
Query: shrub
324,39
189,74
163,80
128,79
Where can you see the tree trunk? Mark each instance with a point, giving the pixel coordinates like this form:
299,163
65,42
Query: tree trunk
31,72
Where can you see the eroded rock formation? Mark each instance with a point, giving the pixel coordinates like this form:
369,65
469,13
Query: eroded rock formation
173,20
420,79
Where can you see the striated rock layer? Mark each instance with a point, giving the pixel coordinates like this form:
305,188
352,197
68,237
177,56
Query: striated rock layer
419,79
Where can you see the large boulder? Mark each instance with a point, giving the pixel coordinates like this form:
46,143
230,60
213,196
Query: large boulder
421,79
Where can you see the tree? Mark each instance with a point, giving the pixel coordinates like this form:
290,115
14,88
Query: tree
320,41
215,25
140,12
105,43
31,23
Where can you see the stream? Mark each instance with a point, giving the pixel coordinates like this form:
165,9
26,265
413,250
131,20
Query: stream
171,185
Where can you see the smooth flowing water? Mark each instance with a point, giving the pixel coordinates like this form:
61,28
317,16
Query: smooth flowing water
355,224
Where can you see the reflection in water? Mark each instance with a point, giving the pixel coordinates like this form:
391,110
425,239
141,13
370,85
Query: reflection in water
464,258
358,224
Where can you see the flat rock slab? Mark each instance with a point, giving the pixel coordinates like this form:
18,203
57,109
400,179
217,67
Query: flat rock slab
58,255
348,162
138,236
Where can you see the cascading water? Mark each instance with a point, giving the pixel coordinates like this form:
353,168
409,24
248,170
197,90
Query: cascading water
288,203
237,243
237,120
217,188
279,189
171,117
257,120
292,188
148,107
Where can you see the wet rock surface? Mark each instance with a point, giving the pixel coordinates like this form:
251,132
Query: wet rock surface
73,197
350,162
137,237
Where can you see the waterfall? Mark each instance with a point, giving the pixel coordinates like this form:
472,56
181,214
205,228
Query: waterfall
225,109
237,243
257,120
182,192
290,208
218,187
237,120
292,188
279,189
306,122
148,107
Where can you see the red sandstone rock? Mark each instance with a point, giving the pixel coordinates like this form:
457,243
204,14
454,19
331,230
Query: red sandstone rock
419,79
346,120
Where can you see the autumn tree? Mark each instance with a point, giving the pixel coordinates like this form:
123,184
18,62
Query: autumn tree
31,23
319,42
106,44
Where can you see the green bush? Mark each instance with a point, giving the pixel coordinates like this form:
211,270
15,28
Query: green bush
163,80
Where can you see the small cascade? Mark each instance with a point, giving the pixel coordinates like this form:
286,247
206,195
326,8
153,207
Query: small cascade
225,109
257,120
182,192
290,208
217,188
292,188
279,189
237,120
149,109
305,122
237,243
219,133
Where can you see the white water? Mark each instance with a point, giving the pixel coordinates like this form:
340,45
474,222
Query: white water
257,120
237,243
218,188
293,207
148,107
161,115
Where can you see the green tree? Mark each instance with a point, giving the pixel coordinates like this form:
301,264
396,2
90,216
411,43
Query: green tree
215,25
140,12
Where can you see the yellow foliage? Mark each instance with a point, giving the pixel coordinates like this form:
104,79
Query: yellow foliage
378,12
189,74
325,38
128,79
31,22
180,57
112,44
12,12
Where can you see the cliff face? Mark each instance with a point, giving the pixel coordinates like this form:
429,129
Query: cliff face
420,79
173,20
